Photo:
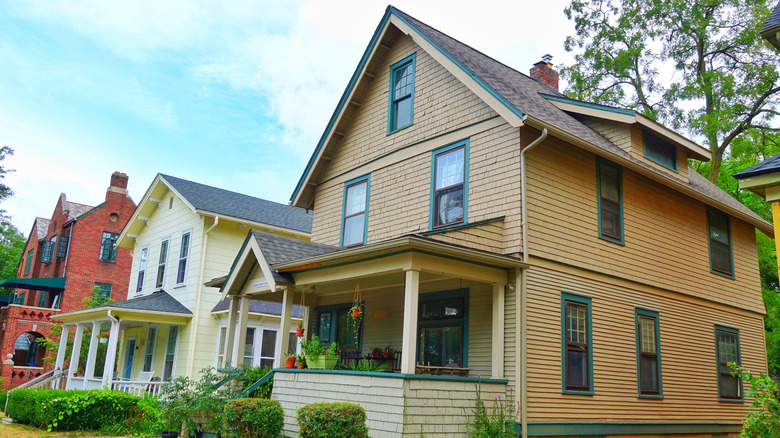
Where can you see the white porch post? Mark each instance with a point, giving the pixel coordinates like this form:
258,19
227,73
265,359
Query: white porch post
61,353
89,372
411,303
238,349
498,332
76,352
230,332
284,339
108,368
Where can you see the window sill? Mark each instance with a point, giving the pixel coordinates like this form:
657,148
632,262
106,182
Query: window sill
573,392
722,274
731,400
178,286
657,397
612,240
389,132
674,169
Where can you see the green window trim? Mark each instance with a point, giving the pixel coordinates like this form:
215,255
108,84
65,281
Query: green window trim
733,331
465,144
654,147
603,165
392,116
464,320
713,213
108,246
62,246
638,314
567,297
333,327
347,185
30,258
105,289
47,250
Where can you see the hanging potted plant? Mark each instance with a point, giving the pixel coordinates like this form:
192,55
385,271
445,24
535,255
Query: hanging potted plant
300,329
356,311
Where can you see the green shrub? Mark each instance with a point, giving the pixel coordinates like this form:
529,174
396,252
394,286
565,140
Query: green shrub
330,420
253,418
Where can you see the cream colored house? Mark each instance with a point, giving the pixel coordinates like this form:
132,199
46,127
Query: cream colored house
555,250
181,235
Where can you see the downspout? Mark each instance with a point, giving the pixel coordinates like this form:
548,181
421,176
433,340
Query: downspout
198,291
523,292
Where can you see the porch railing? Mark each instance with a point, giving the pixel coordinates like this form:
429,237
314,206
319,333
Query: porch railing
139,388
38,382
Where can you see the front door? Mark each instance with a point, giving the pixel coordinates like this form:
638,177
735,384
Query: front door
127,369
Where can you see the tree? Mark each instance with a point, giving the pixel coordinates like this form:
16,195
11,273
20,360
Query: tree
12,244
722,81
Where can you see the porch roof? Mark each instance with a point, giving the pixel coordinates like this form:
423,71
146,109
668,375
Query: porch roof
47,284
159,306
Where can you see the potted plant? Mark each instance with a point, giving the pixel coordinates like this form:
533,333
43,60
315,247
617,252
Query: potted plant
388,353
376,352
300,329
289,361
315,359
300,361
356,311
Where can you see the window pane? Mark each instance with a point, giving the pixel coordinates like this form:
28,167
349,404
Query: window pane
442,309
292,343
648,368
222,336
142,259
719,227
325,326
647,342
163,252
720,256
610,183
450,168
266,363
440,346
181,272
403,81
185,245
449,205
269,343
354,228
403,112
576,323
356,199
577,368
610,219
249,346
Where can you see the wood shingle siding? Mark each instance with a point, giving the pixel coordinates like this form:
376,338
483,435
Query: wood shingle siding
690,386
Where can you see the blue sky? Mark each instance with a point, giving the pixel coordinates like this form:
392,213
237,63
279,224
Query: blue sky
233,94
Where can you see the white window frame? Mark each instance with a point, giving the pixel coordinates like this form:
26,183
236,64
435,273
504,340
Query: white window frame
259,350
139,281
164,265
185,258
154,347
175,350
219,341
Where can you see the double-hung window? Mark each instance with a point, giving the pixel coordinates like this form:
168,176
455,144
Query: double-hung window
648,353
105,289
577,340
610,201
62,246
108,246
170,352
449,197
142,261
28,266
151,345
221,346
401,111
719,229
355,212
184,250
659,151
443,329
727,351
47,253
161,264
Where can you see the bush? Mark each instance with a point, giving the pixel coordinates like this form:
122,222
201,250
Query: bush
99,410
329,420
253,418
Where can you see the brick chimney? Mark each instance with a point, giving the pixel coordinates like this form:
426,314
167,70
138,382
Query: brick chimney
543,72
118,183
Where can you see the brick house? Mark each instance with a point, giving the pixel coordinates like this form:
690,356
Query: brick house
65,257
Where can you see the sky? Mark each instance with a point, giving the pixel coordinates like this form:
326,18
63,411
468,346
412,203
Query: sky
232,93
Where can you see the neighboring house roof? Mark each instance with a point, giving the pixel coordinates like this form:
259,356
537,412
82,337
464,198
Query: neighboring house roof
770,165
225,202
267,307
41,227
771,28
159,301
524,97
75,210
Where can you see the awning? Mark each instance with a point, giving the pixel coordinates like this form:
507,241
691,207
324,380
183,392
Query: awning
47,284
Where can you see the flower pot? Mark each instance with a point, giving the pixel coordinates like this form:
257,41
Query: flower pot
169,434
322,362
356,313
289,362
376,354
299,332
300,365
387,354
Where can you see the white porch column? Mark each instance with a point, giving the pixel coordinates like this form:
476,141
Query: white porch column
237,359
89,372
76,352
61,353
411,303
230,332
498,332
108,368
284,339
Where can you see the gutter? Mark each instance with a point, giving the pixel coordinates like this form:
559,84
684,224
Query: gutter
523,290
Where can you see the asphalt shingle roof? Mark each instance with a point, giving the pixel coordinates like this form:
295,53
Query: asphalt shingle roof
773,20
256,306
771,164
279,249
41,227
159,301
75,209
221,201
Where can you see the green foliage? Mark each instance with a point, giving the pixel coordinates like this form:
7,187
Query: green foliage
333,350
363,365
330,420
313,347
247,376
724,84
495,422
12,244
96,410
253,418
763,420
96,299
195,403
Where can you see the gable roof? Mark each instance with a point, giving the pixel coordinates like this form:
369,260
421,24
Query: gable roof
159,301
41,227
771,28
219,201
770,165
520,100
75,209
258,306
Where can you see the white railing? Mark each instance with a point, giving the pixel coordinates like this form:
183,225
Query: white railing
38,382
140,388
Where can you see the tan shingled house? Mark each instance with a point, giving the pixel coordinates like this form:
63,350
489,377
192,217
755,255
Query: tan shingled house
495,230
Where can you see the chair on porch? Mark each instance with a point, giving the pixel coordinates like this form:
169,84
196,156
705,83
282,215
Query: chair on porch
138,385
397,361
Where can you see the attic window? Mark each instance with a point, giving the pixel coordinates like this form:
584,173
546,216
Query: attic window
401,111
170,203
660,151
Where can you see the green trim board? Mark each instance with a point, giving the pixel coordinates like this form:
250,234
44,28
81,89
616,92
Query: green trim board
588,105
650,142
347,185
461,226
735,331
584,300
715,212
393,375
581,428
392,110
640,312
603,165
465,144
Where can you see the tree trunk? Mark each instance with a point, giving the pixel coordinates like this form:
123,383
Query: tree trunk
717,159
